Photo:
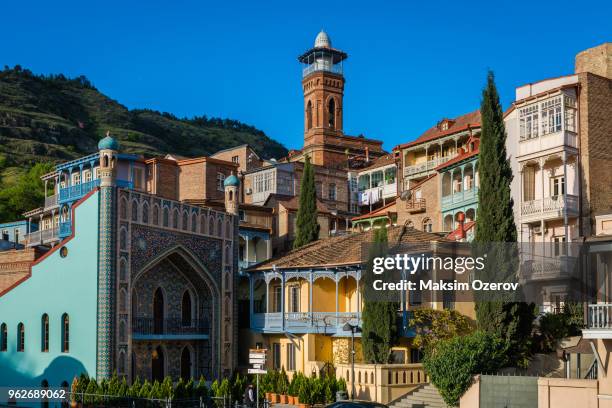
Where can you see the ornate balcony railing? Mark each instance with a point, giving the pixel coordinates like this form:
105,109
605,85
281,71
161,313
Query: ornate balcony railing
550,206
416,205
42,237
170,326
65,229
600,316
426,166
304,322
51,201
78,190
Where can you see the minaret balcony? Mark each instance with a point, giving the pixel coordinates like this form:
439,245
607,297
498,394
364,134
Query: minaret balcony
322,66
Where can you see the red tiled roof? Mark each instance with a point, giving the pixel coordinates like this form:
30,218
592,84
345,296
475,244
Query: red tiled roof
376,213
345,249
460,123
381,162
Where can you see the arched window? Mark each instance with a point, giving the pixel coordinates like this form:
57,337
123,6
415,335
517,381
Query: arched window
145,213
427,225
309,115
211,225
228,229
155,215
202,224
331,110
3,337
158,311
105,161
166,217
65,333
122,300
194,222
219,227
185,221
123,239
186,309
158,364
121,364
186,364
123,209
44,333
122,334
134,210
20,337
122,269
175,218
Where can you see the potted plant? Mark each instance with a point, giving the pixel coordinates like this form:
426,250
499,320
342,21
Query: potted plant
282,387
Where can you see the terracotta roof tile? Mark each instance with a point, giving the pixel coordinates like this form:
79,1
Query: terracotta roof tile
380,162
460,123
344,249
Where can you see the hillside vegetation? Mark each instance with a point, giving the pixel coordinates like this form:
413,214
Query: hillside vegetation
49,119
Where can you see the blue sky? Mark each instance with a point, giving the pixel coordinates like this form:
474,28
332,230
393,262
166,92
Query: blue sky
410,63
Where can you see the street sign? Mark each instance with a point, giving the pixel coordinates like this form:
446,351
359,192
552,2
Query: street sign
256,371
257,360
257,355
258,366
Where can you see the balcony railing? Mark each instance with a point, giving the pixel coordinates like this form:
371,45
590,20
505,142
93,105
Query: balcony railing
600,316
147,326
65,229
322,66
78,190
304,322
459,197
426,166
51,201
550,206
416,205
42,237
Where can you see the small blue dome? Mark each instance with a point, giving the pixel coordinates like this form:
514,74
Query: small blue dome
108,143
231,181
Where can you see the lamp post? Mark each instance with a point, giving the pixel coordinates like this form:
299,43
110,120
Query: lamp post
353,329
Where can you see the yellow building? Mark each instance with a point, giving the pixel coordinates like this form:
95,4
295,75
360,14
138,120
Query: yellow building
300,303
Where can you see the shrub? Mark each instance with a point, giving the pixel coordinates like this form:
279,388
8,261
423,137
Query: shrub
434,325
452,364
282,382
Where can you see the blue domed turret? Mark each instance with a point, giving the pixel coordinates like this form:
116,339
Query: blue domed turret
108,143
231,181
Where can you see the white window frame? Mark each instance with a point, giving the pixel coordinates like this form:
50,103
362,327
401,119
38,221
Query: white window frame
220,180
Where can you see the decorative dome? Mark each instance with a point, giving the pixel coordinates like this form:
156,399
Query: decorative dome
231,181
322,40
108,143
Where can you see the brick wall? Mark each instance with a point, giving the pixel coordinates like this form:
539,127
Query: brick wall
596,60
15,265
595,147
430,191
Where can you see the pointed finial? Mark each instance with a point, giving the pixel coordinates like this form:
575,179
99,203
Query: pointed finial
108,133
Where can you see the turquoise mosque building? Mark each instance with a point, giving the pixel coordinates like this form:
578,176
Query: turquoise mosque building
130,280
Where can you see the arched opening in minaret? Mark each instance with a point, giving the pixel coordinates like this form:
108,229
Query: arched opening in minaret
309,115
331,110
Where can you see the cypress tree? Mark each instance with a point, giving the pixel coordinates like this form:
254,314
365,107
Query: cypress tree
496,234
379,317
307,228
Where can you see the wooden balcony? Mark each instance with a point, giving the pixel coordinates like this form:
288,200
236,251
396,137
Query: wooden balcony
415,205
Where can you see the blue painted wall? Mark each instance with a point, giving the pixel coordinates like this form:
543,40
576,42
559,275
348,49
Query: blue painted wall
13,227
57,286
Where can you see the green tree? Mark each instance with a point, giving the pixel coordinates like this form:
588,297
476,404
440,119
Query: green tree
379,317
307,228
434,325
452,364
505,316
25,194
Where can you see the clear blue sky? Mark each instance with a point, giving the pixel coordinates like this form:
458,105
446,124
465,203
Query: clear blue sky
410,63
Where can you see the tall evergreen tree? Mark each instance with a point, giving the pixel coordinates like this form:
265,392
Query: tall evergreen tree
379,316
307,228
496,233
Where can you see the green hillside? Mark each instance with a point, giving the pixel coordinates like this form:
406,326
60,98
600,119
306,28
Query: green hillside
54,118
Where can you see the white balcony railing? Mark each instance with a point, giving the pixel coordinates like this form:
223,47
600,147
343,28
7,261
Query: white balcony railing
550,206
600,316
426,166
51,201
529,146
42,237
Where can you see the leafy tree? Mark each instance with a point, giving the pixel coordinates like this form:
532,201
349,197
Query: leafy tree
379,317
452,364
434,325
307,228
496,233
26,194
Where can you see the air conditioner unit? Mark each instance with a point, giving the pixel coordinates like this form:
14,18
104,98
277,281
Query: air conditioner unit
538,230
248,191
